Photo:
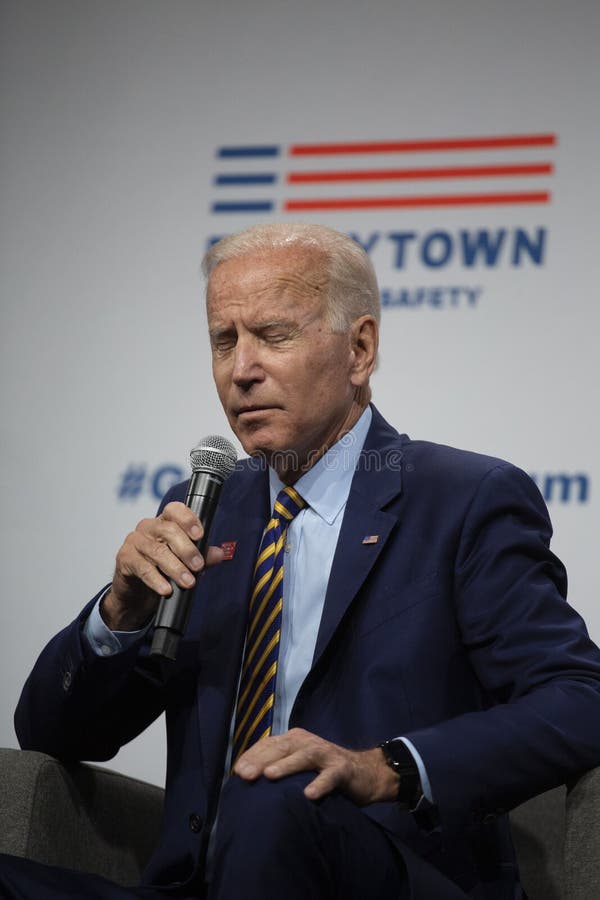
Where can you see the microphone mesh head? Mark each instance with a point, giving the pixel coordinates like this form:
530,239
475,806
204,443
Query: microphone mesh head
214,454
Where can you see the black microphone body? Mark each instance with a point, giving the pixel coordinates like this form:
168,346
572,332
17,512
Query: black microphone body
211,467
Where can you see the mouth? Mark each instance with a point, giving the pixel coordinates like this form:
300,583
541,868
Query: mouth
251,410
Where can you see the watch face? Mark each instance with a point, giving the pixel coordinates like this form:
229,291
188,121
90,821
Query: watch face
399,756
401,760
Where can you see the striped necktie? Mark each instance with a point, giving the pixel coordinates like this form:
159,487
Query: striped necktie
254,712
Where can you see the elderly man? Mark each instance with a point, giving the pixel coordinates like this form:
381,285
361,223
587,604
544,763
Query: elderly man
384,666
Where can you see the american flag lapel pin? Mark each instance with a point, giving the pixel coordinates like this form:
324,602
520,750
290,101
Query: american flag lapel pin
370,539
228,548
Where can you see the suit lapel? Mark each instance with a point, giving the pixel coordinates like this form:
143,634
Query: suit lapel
376,483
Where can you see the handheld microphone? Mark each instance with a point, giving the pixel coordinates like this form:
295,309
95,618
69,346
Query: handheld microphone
212,461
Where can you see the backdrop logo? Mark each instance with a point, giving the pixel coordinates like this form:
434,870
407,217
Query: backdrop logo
353,181
364,176
563,487
139,481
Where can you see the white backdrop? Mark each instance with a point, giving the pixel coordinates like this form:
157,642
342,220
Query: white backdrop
113,115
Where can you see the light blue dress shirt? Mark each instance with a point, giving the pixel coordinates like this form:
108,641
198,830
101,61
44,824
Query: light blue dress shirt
310,547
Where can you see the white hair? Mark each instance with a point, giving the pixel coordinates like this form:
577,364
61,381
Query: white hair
352,284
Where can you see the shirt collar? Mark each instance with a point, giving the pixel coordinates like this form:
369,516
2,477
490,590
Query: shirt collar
326,485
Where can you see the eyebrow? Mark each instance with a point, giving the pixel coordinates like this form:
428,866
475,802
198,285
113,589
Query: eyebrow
259,326
218,332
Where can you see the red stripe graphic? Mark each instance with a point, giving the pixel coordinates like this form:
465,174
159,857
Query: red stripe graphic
420,173
471,143
424,201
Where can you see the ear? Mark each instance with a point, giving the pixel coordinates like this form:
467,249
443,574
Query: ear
364,341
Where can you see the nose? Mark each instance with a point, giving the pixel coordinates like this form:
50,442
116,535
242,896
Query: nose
247,368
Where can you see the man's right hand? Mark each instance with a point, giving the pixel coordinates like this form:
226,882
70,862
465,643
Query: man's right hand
157,550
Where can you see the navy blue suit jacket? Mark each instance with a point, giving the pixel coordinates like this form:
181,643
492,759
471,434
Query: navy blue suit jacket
451,629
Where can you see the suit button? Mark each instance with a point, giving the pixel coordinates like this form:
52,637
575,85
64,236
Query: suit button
67,681
489,818
195,823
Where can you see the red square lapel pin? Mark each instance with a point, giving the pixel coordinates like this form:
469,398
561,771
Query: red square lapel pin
228,548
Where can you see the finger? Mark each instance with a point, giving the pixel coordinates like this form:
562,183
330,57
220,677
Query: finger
252,762
153,562
183,516
308,752
170,534
325,782
214,556
289,765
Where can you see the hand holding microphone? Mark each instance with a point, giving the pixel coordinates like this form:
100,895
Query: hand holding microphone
163,555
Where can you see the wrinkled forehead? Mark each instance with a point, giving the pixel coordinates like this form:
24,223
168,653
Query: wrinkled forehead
299,271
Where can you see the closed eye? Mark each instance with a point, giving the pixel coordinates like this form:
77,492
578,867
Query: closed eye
277,332
222,341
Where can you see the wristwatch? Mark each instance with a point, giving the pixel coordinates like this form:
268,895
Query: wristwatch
400,759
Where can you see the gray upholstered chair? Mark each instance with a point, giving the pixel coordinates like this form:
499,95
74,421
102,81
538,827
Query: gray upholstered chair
78,816
90,818
557,837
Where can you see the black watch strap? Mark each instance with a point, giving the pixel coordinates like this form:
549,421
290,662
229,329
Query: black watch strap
400,759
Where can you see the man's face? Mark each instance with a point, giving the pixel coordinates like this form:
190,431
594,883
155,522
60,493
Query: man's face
286,381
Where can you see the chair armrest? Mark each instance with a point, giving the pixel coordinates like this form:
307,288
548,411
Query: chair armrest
77,816
582,838
538,835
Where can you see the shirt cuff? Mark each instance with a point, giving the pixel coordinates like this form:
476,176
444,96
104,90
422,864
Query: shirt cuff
425,783
102,640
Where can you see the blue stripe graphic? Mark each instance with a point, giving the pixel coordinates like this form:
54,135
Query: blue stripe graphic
246,179
261,206
255,151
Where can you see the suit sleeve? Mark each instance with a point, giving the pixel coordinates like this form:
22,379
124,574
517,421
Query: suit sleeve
531,653
78,705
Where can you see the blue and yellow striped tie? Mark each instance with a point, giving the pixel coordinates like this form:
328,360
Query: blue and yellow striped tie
254,713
